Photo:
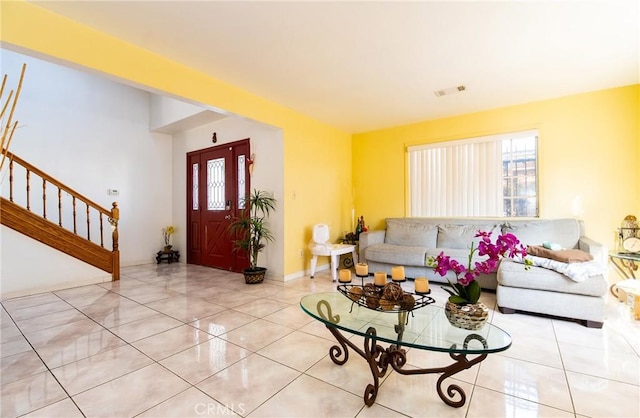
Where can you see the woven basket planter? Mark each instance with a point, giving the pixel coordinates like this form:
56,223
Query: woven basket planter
472,316
253,276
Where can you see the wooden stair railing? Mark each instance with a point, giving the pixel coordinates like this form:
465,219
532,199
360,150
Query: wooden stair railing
60,235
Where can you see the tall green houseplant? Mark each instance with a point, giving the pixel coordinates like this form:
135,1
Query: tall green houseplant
253,231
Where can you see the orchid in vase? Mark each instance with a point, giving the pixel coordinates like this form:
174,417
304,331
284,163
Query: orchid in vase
166,234
467,290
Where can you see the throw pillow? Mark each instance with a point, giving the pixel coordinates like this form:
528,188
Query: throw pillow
565,256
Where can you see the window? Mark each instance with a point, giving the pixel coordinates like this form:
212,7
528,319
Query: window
195,205
241,182
216,184
519,176
487,176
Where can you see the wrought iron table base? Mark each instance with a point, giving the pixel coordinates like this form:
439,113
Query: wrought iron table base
627,267
380,358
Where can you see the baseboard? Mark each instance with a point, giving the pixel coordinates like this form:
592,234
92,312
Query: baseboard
302,273
293,276
54,287
133,263
105,279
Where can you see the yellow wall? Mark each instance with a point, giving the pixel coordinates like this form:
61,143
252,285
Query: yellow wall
589,157
317,156
589,143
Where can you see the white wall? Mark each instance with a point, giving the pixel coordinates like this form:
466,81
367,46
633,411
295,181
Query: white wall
268,174
93,135
165,111
168,115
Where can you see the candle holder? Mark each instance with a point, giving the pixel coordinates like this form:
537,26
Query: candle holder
376,302
362,276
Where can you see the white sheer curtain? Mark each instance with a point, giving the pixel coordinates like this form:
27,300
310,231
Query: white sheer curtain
457,178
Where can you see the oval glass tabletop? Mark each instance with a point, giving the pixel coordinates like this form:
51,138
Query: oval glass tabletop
425,328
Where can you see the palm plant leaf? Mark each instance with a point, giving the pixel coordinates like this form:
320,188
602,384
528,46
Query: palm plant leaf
251,227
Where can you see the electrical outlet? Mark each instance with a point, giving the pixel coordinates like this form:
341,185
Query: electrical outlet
301,253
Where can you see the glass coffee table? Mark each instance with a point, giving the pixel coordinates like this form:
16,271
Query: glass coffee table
426,328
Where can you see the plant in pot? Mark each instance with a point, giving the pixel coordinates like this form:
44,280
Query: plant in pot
166,234
252,232
463,308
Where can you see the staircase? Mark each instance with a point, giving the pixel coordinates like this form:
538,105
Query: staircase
59,216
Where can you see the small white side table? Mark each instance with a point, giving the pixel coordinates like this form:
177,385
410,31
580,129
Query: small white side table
333,251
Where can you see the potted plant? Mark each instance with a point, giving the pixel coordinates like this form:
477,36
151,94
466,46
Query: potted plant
462,308
252,232
166,234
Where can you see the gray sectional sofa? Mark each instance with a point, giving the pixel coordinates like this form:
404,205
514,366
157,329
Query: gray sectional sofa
410,242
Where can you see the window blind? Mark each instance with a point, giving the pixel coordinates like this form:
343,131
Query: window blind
458,178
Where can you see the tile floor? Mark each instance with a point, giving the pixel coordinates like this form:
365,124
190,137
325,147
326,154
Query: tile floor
187,341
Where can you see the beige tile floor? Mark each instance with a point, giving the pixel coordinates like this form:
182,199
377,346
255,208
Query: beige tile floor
187,341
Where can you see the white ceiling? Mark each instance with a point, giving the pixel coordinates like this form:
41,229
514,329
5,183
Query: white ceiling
361,65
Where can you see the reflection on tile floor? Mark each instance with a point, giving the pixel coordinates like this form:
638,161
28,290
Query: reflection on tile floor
188,341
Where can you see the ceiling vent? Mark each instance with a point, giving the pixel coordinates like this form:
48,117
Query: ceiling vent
449,91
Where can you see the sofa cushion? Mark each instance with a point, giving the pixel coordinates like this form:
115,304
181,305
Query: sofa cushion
400,255
565,232
461,236
400,232
512,274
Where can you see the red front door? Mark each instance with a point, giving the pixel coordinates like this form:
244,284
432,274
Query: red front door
217,183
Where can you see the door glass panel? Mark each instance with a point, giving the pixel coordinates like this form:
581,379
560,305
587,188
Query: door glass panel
215,184
194,192
241,182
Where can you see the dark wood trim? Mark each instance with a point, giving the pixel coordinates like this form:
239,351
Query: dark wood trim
51,234
33,169
196,219
55,235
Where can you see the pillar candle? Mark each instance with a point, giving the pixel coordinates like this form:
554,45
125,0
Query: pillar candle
422,285
397,273
345,276
380,278
362,269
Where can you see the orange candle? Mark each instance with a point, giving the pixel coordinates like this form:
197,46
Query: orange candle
345,276
422,285
362,269
380,278
397,273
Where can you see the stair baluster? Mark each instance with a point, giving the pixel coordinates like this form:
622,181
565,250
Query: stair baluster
57,235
